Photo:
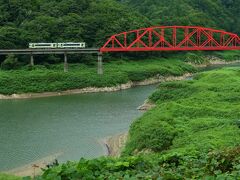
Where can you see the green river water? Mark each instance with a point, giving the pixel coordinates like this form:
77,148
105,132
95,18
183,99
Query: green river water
72,125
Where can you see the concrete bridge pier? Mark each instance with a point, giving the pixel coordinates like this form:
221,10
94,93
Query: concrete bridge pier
65,63
31,60
100,65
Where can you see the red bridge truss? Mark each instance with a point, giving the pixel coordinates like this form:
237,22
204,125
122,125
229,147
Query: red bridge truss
172,38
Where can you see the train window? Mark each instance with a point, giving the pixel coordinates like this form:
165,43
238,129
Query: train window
42,44
71,44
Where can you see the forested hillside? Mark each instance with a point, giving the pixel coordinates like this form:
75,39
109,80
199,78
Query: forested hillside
93,21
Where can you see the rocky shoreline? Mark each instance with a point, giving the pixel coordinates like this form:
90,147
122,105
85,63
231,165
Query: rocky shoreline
154,80
147,105
214,61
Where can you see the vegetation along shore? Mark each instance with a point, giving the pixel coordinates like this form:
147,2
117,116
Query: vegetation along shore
42,79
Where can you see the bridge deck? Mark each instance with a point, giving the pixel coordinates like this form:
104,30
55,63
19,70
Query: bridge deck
50,51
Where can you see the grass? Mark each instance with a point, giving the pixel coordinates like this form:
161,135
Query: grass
203,114
51,78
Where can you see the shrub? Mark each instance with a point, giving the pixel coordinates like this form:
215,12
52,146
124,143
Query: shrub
223,161
154,136
195,58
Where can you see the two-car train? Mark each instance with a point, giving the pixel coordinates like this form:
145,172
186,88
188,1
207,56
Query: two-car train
57,45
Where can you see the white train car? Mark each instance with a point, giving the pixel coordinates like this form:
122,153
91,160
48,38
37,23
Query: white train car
72,45
57,45
43,45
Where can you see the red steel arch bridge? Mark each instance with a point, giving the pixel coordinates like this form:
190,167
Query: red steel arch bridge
172,38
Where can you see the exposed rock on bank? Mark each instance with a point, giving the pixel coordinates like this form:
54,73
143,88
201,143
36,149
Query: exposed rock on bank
215,61
147,105
115,144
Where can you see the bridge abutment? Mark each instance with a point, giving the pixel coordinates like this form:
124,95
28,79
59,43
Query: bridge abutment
65,63
31,60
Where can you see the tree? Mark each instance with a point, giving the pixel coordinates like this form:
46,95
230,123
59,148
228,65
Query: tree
11,62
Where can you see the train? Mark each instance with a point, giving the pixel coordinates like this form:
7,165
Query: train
57,45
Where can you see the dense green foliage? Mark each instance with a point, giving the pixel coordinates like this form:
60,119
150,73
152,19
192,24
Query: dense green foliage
102,168
219,164
192,133
52,78
11,62
210,13
91,21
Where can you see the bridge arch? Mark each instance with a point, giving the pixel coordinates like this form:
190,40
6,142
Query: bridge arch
172,38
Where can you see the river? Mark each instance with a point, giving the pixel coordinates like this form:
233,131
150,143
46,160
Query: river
71,126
